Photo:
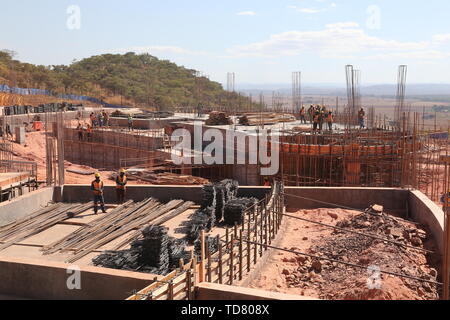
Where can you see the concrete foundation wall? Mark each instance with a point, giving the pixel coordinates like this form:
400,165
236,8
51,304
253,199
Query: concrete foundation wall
82,193
30,279
103,156
427,212
119,139
359,198
18,120
24,205
213,291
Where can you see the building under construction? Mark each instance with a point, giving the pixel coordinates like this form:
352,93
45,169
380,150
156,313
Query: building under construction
375,190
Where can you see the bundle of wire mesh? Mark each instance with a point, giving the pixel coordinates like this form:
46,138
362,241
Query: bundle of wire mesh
202,219
210,242
216,195
235,209
155,253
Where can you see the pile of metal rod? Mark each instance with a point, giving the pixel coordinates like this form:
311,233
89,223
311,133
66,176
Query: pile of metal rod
128,218
39,221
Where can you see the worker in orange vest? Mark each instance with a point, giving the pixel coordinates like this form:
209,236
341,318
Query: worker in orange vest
330,120
121,183
97,189
303,115
89,133
316,121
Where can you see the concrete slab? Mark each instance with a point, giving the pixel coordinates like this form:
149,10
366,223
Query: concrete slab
21,251
50,235
177,225
88,216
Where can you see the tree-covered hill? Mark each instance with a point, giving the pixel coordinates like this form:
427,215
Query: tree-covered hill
139,79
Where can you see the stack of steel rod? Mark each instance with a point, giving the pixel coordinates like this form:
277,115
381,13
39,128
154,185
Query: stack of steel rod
126,219
38,222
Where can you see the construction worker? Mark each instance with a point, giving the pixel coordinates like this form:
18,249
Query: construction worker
361,115
321,119
93,119
330,120
121,182
311,113
89,133
316,121
100,119
97,189
303,114
80,131
130,122
105,119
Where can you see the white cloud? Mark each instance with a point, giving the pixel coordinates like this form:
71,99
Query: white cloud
342,39
246,13
313,10
441,38
305,10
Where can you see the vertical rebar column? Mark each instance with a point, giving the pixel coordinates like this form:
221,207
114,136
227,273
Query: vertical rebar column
400,101
296,91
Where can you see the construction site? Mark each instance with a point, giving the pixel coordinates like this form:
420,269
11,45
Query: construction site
353,210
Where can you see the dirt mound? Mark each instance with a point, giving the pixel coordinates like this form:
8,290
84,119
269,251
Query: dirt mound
337,281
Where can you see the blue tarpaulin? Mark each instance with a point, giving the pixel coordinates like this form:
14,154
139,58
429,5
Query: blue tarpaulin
439,136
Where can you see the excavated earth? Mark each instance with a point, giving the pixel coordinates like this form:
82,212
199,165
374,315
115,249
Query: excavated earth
298,274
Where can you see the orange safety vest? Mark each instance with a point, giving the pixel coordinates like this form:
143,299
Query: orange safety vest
330,118
98,186
121,180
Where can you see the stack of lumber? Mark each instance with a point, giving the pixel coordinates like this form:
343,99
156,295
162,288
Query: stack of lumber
217,118
38,222
165,178
255,119
127,219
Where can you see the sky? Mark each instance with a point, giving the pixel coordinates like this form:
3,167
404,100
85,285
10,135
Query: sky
261,41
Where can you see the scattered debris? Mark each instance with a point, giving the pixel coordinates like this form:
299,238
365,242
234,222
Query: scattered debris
217,118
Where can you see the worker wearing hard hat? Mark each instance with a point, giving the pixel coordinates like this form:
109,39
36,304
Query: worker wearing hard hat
121,182
97,189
